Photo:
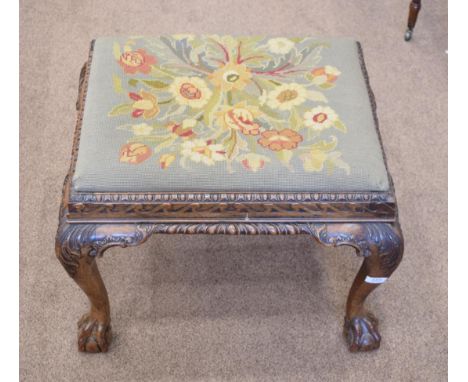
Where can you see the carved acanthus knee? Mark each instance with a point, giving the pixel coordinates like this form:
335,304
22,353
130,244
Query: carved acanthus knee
92,240
382,239
72,243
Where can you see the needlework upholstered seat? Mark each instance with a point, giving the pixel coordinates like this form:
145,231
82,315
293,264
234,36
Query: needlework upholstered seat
227,135
180,114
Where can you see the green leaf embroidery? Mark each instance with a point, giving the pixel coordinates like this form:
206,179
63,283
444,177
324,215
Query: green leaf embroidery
229,97
116,51
242,143
165,72
252,144
150,139
166,101
335,158
265,109
165,144
284,156
316,96
121,109
133,82
324,145
340,126
254,101
231,145
295,121
214,101
155,84
117,84
327,85
296,39
311,134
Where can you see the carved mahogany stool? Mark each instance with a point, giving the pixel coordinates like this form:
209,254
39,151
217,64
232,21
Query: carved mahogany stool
228,135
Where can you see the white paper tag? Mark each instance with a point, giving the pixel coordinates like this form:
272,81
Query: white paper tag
375,280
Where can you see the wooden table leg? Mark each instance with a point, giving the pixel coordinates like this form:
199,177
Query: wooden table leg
76,256
414,8
381,244
77,247
94,328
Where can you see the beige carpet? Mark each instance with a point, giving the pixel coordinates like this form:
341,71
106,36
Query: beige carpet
219,308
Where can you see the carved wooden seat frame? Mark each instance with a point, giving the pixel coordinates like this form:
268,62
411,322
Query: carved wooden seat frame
91,223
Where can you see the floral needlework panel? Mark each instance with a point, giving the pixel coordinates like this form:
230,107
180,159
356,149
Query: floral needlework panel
224,113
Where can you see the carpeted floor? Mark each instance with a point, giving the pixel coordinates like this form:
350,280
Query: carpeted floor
219,308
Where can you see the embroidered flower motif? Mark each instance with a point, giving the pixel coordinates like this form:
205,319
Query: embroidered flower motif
280,45
324,77
240,117
142,129
146,104
320,118
253,162
202,151
184,129
190,91
231,76
136,61
275,140
204,98
286,96
134,153
165,160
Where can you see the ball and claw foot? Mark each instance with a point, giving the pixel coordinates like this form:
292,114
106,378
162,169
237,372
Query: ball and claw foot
361,333
408,34
93,336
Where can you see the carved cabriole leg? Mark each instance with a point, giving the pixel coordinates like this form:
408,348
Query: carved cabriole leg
381,244
414,9
77,246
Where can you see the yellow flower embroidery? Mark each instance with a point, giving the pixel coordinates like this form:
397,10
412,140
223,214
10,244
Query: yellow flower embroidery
231,76
202,151
166,159
286,96
145,104
142,129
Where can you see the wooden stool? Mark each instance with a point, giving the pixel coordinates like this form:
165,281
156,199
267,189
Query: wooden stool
189,134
